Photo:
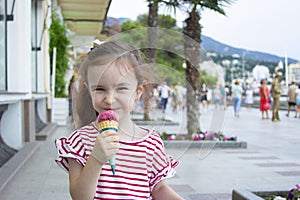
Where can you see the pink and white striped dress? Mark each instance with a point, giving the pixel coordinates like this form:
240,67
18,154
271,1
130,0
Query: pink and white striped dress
140,165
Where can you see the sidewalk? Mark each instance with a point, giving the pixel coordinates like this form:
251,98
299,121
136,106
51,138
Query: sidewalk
271,160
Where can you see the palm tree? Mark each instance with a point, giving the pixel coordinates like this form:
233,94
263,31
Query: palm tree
192,55
192,30
152,34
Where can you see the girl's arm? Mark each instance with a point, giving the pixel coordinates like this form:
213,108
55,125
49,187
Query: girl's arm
83,180
164,192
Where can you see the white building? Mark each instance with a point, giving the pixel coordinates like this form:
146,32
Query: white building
24,71
294,72
215,70
260,72
25,89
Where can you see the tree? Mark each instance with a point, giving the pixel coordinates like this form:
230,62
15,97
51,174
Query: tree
165,21
152,35
192,54
192,30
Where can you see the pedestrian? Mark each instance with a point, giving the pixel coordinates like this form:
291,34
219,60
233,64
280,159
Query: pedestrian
174,98
276,92
70,91
291,98
255,87
237,92
264,104
165,92
203,96
224,96
297,92
111,78
181,91
249,97
217,96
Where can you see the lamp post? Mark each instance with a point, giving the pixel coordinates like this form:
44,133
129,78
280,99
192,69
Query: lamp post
286,71
5,16
243,64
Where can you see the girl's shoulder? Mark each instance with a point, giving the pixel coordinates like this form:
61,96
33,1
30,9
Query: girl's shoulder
86,132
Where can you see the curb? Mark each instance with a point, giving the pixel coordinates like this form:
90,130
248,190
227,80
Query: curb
156,123
45,132
205,144
240,194
14,164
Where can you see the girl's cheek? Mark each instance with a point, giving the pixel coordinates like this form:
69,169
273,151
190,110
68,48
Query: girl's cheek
97,100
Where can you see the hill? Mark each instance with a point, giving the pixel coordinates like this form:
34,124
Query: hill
211,45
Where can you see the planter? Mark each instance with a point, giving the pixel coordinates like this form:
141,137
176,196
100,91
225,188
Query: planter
204,144
256,195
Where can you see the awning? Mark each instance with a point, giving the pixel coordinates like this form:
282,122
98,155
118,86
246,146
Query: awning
85,17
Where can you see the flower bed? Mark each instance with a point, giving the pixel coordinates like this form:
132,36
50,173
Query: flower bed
208,135
201,140
293,194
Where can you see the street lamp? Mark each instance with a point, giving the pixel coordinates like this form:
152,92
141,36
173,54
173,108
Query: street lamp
243,63
4,16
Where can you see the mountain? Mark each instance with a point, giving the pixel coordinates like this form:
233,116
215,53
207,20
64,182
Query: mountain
210,44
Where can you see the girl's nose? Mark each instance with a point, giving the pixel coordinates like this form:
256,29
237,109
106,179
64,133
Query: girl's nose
109,97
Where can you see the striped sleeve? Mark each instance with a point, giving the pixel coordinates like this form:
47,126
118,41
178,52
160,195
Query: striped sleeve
162,164
71,147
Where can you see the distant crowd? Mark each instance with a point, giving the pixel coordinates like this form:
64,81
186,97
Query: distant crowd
220,95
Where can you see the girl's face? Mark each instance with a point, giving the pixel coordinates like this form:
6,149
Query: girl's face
113,87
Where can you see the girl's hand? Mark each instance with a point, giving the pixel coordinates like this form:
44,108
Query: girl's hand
106,145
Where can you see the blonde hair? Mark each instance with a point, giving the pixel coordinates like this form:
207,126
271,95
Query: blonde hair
118,52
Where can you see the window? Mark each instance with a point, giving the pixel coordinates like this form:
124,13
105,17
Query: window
3,77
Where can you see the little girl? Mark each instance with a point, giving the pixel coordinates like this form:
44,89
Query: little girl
110,78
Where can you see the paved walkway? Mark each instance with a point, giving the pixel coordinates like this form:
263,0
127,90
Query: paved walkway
271,160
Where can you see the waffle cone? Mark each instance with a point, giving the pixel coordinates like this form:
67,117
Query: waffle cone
106,124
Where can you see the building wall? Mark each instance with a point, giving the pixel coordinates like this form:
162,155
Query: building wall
19,48
27,72
294,72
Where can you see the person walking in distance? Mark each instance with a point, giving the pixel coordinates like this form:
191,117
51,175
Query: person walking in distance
249,97
237,92
298,101
264,104
291,98
165,92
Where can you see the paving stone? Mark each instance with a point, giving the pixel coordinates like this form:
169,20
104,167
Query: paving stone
289,173
258,157
277,164
182,187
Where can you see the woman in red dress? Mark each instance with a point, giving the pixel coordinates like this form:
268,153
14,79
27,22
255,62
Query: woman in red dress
264,99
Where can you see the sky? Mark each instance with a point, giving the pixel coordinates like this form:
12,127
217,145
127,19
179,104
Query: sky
270,26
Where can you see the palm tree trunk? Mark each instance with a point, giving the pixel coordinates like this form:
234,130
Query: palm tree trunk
192,52
151,51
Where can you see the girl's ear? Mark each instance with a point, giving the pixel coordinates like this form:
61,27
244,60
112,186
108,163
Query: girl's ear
139,92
